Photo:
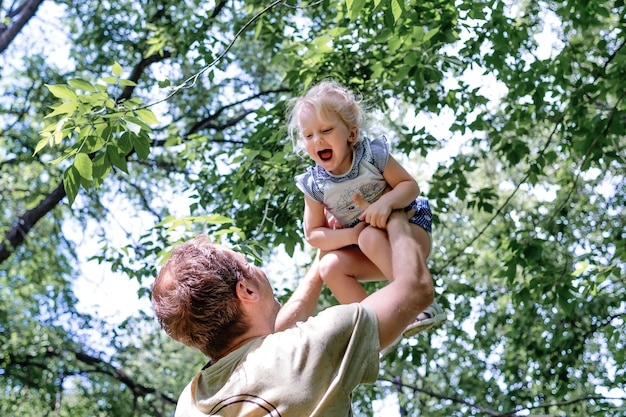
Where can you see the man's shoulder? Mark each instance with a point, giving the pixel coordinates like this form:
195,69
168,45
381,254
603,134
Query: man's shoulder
347,313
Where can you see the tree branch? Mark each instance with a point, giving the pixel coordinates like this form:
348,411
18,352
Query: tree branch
207,122
399,384
138,71
506,202
24,12
118,374
98,365
15,237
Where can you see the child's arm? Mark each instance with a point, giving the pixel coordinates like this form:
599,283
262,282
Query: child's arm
404,190
319,235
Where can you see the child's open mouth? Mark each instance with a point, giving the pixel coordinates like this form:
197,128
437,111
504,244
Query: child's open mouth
325,154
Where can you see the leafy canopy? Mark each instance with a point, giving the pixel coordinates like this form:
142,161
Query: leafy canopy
168,118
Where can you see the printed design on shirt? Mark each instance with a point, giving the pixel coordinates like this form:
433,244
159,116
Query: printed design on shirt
371,191
245,403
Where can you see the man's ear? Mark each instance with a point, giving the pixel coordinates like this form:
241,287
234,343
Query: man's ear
246,292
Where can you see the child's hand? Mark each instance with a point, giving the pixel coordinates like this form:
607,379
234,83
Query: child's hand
375,214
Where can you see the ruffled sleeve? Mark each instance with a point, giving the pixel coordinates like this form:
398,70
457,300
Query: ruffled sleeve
380,152
306,183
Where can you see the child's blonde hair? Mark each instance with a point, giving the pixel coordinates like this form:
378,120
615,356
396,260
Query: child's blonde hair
328,98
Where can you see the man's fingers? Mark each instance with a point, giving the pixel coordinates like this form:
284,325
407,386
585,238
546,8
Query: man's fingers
360,201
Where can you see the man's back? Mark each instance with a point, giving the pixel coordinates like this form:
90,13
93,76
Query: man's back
308,370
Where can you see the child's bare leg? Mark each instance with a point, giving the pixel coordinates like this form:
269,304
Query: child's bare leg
342,269
375,245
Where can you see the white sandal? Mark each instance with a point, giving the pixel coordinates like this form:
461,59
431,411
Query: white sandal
437,316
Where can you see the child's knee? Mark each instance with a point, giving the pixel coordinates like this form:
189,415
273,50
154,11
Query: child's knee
329,266
370,239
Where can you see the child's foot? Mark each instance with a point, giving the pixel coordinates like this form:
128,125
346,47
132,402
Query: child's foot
429,318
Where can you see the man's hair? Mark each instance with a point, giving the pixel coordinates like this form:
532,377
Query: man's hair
194,296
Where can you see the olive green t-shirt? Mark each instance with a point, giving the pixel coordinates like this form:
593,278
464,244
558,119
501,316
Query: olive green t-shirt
309,370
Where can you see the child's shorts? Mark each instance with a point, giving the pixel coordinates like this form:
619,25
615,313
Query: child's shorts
423,216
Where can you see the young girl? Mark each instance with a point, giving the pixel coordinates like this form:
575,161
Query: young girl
327,122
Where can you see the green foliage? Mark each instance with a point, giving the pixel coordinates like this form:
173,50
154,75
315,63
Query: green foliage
101,133
168,118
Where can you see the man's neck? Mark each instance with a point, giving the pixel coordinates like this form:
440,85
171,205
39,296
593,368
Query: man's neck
239,342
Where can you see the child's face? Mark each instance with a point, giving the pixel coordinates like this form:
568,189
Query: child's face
328,142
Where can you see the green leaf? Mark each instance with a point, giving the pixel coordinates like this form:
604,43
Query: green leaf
581,268
109,80
354,8
40,145
128,83
83,165
124,143
147,116
116,69
116,157
101,168
431,33
141,143
133,127
61,91
61,131
67,153
67,107
93,144
138,122
396,10
81,84
71,183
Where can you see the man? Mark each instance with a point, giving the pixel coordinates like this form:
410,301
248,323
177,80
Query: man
272,361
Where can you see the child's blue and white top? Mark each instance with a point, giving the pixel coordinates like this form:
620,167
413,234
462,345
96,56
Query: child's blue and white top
365,177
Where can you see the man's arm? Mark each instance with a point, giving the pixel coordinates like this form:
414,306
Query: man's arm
301,305
411,291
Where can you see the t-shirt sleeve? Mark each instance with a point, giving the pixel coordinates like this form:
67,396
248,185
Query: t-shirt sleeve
364,345
306,183
350,339
380,152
